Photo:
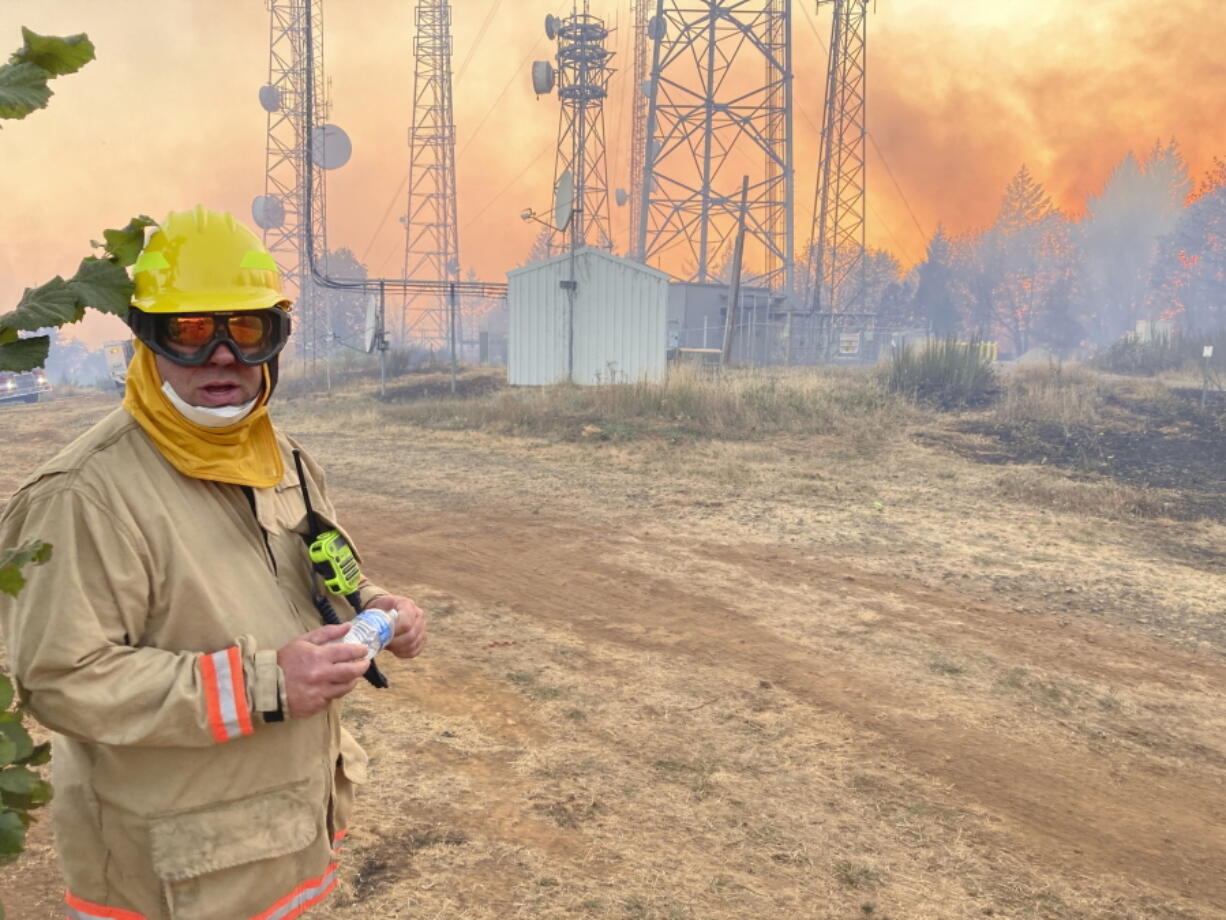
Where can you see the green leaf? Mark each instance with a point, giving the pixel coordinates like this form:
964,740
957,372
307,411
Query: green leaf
12,833
23,88
19,780
13,560
6,692
40,793
8,751
58,56
24,354
125,245
54,303
103,285
41,755
16,733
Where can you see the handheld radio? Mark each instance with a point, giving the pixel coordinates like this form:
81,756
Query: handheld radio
333,560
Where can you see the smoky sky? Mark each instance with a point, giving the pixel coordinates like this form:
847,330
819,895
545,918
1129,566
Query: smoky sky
960,96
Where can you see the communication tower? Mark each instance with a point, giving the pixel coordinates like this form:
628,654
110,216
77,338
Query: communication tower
836,260
580,171
281,211
643,11
432,241
719,107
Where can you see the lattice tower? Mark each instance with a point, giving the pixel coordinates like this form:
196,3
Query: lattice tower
837,263
719,108
285,168
643,11
432,236
583,79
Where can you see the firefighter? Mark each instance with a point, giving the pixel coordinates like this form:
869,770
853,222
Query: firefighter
173,643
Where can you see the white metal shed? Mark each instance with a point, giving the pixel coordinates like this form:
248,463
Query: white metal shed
611,325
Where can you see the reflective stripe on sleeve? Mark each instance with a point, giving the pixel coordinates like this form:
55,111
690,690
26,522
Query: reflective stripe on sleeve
225,694
80,909
306,895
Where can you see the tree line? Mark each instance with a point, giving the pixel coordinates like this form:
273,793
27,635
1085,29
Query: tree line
1151,246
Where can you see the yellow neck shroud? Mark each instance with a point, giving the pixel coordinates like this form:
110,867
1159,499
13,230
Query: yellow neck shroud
244,454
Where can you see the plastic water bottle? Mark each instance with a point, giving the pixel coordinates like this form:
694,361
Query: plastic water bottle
372,628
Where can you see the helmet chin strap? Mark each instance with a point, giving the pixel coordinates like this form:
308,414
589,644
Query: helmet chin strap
206,416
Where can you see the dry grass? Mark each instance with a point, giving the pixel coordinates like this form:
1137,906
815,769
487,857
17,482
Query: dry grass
735,674
1065,394
689,404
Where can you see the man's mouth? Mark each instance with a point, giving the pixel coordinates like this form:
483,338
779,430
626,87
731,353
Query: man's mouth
220,394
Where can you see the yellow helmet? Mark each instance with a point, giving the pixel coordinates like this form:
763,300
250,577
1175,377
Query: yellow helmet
203,261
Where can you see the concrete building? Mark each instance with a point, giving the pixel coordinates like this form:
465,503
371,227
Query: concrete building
589,318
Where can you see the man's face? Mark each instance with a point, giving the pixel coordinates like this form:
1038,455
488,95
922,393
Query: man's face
222,380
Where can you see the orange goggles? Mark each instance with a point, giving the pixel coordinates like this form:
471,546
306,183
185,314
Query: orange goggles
189,339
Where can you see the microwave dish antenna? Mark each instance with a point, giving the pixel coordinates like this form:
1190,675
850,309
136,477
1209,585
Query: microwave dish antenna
268,212
542,77
330,146
371,331
564,201
270,98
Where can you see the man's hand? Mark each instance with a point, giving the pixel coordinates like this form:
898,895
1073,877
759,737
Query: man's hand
316,673
410,636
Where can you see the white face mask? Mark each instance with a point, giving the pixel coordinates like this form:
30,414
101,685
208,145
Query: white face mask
205,416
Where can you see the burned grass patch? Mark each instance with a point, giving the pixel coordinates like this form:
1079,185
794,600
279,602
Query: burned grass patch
1164,453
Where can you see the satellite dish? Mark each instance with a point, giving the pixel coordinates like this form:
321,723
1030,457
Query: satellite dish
542,77
370,333
330,147
268,212
453,266
270,98
551,26
621,197
645,88
655,28
564,201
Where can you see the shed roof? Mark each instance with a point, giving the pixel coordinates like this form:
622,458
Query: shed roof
590,252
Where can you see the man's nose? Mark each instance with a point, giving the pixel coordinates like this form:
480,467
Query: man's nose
223,355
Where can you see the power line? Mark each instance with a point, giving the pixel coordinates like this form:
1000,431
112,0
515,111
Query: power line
494,105
532,162
489,17
915,220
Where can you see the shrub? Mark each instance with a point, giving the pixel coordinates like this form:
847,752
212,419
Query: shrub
943,373
1136,357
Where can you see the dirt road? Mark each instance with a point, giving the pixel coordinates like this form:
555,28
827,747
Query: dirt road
770,679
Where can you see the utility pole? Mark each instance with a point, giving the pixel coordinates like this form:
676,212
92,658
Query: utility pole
734,289
643,12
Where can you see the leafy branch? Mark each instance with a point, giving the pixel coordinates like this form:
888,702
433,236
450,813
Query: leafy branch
100,282
97,283
22,790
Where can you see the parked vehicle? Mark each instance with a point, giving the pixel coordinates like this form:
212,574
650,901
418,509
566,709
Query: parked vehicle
118,354
23,387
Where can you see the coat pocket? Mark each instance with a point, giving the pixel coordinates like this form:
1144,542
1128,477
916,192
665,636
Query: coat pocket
353,760
222,860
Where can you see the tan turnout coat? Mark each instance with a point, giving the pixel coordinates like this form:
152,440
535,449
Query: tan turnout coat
148,645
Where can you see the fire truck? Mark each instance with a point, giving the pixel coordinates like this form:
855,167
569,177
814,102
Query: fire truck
23,387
